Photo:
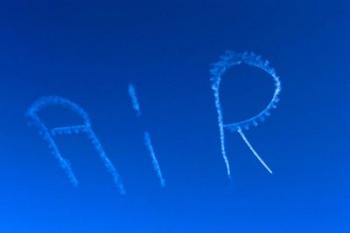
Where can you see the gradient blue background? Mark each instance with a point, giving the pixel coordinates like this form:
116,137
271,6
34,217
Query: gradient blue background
88,51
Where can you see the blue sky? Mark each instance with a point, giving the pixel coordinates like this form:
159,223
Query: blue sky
89,51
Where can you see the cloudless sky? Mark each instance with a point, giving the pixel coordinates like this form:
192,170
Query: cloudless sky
89,51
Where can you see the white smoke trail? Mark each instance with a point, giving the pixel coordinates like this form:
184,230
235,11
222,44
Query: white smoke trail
222,133
148,144
108,164
147,137
254,151
64,163
134,100
74,129
228,60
